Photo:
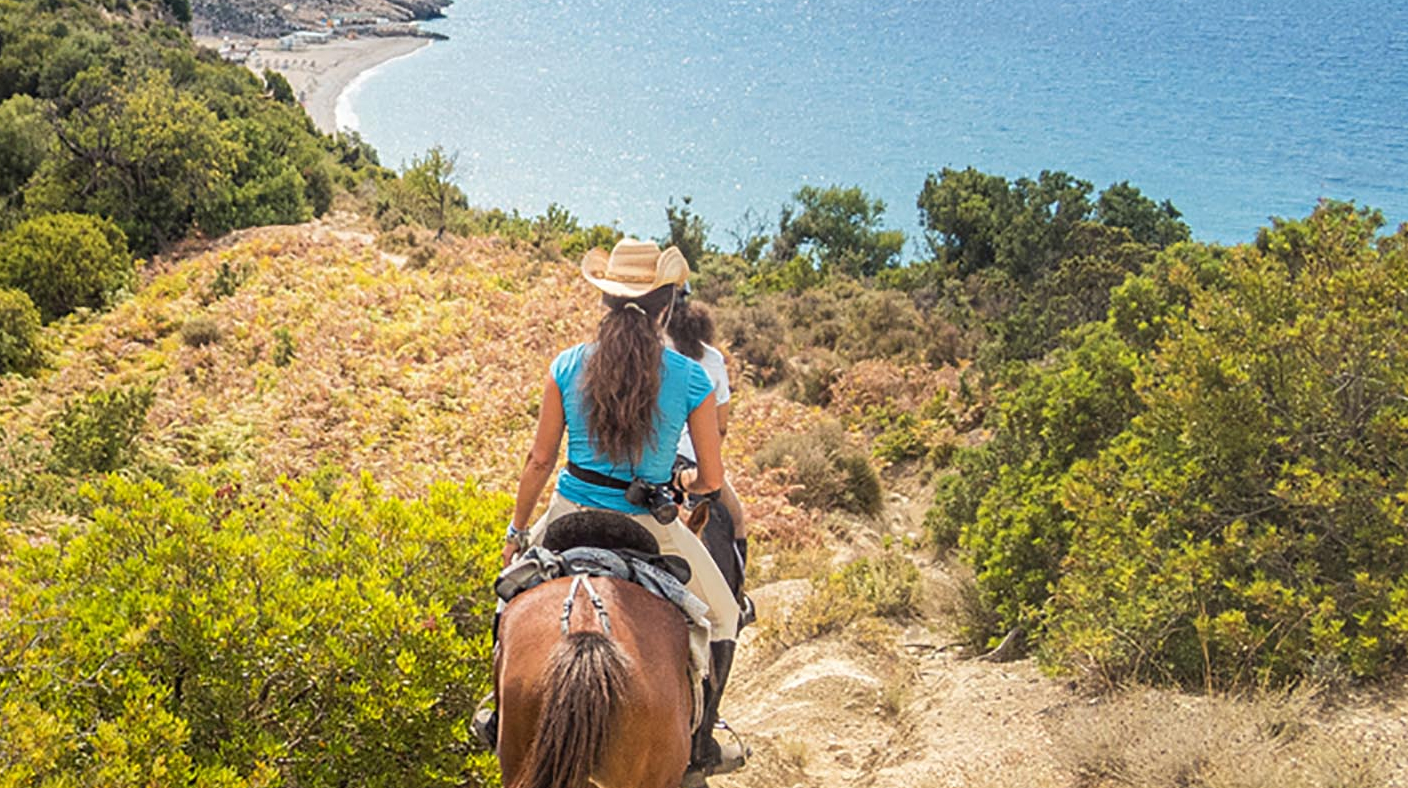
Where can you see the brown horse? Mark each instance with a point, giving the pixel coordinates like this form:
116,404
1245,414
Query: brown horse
587,699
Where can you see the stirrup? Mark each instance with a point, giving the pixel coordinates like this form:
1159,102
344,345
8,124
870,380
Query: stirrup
747,613
733,755
485,723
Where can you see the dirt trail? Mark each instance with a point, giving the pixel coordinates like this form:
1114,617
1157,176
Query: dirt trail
903,707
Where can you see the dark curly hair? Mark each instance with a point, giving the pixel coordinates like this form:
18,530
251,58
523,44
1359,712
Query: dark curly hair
691,328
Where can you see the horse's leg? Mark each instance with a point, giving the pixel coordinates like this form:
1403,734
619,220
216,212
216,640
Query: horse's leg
525,642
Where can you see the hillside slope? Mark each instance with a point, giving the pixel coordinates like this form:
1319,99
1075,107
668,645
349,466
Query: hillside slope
276,350
410,374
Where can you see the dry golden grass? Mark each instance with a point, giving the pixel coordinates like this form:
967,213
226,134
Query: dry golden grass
1163,739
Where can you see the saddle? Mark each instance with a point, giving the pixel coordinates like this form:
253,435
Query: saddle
615,532
590,543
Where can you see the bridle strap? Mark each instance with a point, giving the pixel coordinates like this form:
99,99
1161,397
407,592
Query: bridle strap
597,603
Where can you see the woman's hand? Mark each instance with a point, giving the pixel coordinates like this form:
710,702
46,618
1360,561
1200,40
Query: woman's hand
514,543
686,479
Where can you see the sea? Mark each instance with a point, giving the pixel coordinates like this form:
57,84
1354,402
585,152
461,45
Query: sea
1235,111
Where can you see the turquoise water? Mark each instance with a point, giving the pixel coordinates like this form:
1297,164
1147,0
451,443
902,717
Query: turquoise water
1235,111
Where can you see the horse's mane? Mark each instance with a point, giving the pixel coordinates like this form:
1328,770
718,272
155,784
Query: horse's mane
593,528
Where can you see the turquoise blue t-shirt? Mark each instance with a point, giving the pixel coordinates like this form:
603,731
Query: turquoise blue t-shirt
683,386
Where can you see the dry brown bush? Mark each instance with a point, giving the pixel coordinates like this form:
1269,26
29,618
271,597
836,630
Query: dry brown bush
1163,739
831,471
880,383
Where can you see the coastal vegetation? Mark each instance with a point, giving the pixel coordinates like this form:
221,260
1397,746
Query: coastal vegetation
252,484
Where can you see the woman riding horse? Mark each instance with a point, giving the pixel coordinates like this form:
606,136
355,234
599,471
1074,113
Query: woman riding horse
623,402
691,332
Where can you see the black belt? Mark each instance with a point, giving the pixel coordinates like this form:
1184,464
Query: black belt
599,479
602,480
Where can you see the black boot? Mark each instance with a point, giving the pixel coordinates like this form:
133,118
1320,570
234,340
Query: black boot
706,755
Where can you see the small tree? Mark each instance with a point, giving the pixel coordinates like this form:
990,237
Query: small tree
976,220
434,194
840,228
19,333
688,231
1156,224
144,154
278,87
65,261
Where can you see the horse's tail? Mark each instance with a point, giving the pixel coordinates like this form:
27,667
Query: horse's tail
586,675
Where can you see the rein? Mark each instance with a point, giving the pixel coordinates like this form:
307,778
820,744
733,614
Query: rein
601,614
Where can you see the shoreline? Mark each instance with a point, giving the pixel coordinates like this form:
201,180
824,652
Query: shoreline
320,73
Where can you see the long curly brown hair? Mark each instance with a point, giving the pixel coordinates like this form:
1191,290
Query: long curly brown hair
622,379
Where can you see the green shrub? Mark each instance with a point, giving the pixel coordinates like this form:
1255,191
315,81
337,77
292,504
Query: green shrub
200,331
819,317
24,137
888,584
882,324
284,350
66,261
20,328
1006,500
227,280
195,635
1248,528
828,470
956,498
96,433
812,373
900,439
1207,488
579,242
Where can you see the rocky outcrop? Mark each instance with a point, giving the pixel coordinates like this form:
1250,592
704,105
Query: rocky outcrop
272,18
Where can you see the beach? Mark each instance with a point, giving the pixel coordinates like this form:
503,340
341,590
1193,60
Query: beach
318,73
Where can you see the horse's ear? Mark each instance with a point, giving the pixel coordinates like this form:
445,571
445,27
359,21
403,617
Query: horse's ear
698,518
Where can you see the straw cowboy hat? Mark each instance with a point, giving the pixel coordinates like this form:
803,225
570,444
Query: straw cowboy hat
634,268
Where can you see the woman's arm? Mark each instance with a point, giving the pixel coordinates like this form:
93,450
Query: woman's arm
704,431
542,459
723,420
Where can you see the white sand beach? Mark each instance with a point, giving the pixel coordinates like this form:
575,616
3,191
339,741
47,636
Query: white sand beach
319,73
